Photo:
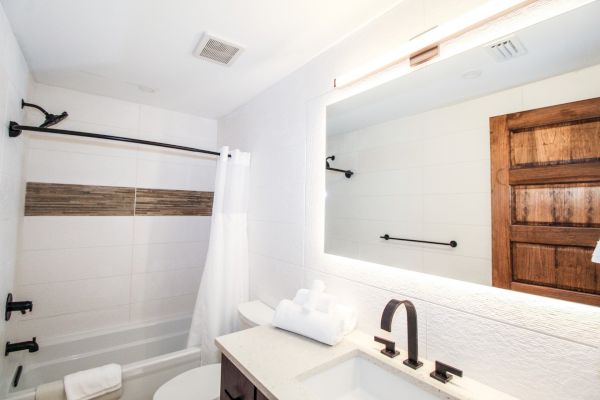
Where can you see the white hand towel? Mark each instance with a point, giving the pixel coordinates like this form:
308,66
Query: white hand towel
348,316
328,328
325,302
596,253
92,383
318,287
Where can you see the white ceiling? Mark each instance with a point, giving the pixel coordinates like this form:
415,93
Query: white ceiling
565,43
111,47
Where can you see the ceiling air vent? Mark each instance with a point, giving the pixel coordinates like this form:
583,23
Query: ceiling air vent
217,50
507,49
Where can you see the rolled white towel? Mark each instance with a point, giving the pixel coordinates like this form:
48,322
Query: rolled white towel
316,290
325,302
93,383
348,316
596,253
328,328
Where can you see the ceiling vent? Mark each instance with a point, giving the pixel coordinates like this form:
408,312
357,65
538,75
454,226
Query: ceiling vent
217,50
507,49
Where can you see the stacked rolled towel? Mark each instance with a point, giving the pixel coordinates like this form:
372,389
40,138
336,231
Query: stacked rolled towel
316,315
95,383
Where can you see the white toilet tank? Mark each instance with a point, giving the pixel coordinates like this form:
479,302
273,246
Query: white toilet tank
254,313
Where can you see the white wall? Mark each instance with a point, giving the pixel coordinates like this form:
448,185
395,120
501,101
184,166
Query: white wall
14,84
85,273
531,347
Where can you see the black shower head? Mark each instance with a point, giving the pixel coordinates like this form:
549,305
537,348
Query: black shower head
52,119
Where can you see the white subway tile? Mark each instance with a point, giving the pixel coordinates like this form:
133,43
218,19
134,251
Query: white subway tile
88,108
58,298
469,177
163,308
468,209
60,232
79,168
168,229
164,284
175,175
277,240
469,269
44,266
173,127
58,325
273,280
168,256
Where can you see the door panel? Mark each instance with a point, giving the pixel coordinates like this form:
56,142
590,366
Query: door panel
546,200
557,204
564,143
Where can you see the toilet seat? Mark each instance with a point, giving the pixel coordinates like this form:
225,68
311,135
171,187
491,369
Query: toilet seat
201,383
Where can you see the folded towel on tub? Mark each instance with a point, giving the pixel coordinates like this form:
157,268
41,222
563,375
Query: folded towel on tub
93,383
56,391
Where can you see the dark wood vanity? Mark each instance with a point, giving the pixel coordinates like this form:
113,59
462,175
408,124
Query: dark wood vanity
235,385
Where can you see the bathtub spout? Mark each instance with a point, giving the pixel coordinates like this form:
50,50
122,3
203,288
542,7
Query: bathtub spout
30,345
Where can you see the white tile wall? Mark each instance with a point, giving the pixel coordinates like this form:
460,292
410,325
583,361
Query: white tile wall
521,344
15,83
87,273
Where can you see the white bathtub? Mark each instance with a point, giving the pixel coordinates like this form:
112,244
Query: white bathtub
150,355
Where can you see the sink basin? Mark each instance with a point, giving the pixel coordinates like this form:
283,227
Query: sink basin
362,378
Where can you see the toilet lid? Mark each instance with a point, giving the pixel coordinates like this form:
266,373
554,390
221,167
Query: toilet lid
201,383
256,313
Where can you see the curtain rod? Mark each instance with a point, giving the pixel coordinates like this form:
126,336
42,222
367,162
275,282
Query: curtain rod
15,130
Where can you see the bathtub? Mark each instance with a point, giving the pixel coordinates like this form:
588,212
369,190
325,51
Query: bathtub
150,354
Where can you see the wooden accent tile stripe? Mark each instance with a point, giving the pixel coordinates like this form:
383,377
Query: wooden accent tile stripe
173,202
55,199
77,200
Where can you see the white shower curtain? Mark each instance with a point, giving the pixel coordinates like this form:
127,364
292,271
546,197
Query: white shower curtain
225,278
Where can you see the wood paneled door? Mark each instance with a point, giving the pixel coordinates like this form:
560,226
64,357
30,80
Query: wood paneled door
546,201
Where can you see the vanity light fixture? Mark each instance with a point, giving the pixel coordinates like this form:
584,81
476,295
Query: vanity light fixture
428,42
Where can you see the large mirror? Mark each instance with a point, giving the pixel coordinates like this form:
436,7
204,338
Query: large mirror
483,167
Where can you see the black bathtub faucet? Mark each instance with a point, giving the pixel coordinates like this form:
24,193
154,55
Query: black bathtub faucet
22,306
30,345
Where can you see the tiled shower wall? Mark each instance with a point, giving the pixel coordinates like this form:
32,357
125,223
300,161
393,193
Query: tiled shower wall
86,272
515,342
14,84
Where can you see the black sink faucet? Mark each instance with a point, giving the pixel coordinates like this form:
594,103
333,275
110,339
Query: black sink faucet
30,345
411,326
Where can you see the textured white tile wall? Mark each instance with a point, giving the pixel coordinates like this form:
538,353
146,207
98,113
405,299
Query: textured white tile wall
15,83
521,344
88,273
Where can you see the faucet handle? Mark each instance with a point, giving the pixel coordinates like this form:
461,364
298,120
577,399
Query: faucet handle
390,347
442,370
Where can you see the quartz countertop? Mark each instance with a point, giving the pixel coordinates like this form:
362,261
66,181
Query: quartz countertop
276,362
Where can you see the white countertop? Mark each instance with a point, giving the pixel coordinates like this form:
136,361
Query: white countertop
275,361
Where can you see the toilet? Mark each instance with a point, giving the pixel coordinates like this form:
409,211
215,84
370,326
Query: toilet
203,383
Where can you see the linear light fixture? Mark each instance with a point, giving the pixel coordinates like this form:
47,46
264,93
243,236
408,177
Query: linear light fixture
432,38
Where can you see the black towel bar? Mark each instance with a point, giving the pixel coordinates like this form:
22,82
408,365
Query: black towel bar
388,237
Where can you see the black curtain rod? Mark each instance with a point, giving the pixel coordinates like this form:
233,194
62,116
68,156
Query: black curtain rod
15,130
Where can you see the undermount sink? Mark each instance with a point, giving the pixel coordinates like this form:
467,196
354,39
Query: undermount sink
362,378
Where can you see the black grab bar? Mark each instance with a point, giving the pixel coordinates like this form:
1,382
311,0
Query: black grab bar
451,244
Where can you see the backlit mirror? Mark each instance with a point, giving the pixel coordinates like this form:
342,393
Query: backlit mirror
483,167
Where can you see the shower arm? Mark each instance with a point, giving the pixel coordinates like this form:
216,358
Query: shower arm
348,173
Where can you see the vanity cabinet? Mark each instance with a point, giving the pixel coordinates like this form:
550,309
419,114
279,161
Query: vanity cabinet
235,385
